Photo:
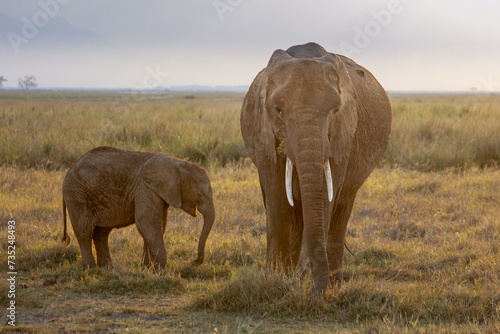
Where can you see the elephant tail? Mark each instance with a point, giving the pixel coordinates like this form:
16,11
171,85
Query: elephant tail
65,239
345,248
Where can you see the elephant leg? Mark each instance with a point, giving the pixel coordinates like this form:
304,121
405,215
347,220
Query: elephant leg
88,261
100,238
154,252
280,236
336,237
149,211
296,236
146,256
83,227
164,215
278,242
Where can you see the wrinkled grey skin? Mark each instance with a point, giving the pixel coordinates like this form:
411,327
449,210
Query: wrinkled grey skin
109,188
313,107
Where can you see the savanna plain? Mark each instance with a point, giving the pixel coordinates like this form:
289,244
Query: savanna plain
424,236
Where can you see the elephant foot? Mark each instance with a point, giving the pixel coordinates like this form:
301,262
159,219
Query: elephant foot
145,264
335,280
316,291
106,265
89,266
198,261
157,269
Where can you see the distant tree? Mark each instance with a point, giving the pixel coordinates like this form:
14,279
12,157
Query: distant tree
28,82
2,79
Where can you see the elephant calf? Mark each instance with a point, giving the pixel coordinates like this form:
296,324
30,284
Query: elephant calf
109,188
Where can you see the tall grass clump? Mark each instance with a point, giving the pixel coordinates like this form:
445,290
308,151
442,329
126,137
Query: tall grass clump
252,291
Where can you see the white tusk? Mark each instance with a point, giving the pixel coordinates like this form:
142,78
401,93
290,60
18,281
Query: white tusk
328,177
288,180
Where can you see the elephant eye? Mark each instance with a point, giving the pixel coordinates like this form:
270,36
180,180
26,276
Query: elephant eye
278,110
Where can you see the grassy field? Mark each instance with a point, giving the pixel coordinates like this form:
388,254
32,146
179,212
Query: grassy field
425,230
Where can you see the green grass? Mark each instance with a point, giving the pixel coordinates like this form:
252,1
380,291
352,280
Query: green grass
425,234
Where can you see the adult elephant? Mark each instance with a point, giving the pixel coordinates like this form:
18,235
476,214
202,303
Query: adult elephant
110,188
315,124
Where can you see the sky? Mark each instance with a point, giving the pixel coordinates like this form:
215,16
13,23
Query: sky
409,45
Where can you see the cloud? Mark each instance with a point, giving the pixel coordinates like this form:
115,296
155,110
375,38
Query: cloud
200,43
26,35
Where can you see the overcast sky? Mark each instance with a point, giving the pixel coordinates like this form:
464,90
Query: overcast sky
423,45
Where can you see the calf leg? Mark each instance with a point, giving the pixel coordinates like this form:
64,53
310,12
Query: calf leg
83,227
149,212
100,238
146,256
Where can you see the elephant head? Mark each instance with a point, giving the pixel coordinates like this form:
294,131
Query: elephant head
301,98
299,122
182,185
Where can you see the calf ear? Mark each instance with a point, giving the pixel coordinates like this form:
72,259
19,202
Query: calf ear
161,175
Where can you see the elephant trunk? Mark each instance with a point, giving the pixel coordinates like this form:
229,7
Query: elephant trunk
310,163
208,213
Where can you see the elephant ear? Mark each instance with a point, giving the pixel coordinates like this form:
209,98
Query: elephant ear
344,122
161,175
256,126
256,123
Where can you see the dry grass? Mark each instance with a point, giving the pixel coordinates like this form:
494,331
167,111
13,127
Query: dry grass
426,245
50,130
436,132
